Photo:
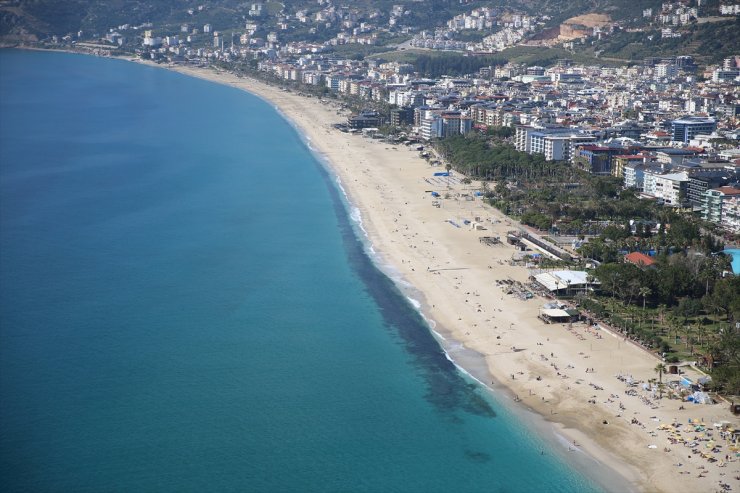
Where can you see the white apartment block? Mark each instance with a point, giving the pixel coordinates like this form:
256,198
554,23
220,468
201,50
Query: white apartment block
671,188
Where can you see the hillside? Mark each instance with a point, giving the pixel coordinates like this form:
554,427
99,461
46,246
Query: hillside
618,10
43,18
24,21
570,29
708,43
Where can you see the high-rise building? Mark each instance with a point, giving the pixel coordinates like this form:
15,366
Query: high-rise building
666,71
722,206
685,129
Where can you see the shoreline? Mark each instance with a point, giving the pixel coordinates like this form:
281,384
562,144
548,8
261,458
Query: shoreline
379,181
591,452
631,470
469,362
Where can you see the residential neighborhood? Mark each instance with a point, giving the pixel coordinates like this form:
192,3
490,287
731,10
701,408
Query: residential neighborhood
666,126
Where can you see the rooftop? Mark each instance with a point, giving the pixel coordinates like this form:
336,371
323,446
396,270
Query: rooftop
639,259
729,190
694,119
562,279
677,152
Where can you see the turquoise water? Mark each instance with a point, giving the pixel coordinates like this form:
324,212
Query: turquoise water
735,253
184,306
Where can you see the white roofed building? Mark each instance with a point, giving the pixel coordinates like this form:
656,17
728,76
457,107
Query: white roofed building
566,282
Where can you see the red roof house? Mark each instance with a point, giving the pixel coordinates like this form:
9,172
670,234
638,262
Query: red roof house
639,259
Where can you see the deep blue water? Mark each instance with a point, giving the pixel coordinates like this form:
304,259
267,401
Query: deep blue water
184,306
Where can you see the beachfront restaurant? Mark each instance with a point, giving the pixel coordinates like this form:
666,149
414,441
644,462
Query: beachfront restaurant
558,315
565,282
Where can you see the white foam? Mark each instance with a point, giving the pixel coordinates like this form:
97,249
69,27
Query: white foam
416,303
440,336
466,372
431,323
355,214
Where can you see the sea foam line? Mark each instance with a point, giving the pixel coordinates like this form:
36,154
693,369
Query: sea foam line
355,215
466,372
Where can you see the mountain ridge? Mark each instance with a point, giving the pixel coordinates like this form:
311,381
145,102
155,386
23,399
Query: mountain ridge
44,18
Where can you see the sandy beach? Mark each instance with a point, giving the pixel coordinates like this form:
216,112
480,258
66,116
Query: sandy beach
566,374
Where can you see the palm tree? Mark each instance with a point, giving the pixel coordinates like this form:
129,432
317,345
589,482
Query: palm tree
675,325
688,332
661,312
661,388
660,369
644,291
701,330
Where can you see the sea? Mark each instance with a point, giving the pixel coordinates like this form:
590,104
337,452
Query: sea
186,305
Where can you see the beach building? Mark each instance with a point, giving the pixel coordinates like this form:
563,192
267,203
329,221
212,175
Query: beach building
152,42
455,123
332,81
431,127
566,282
366,119
402,116
555,143
558,313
